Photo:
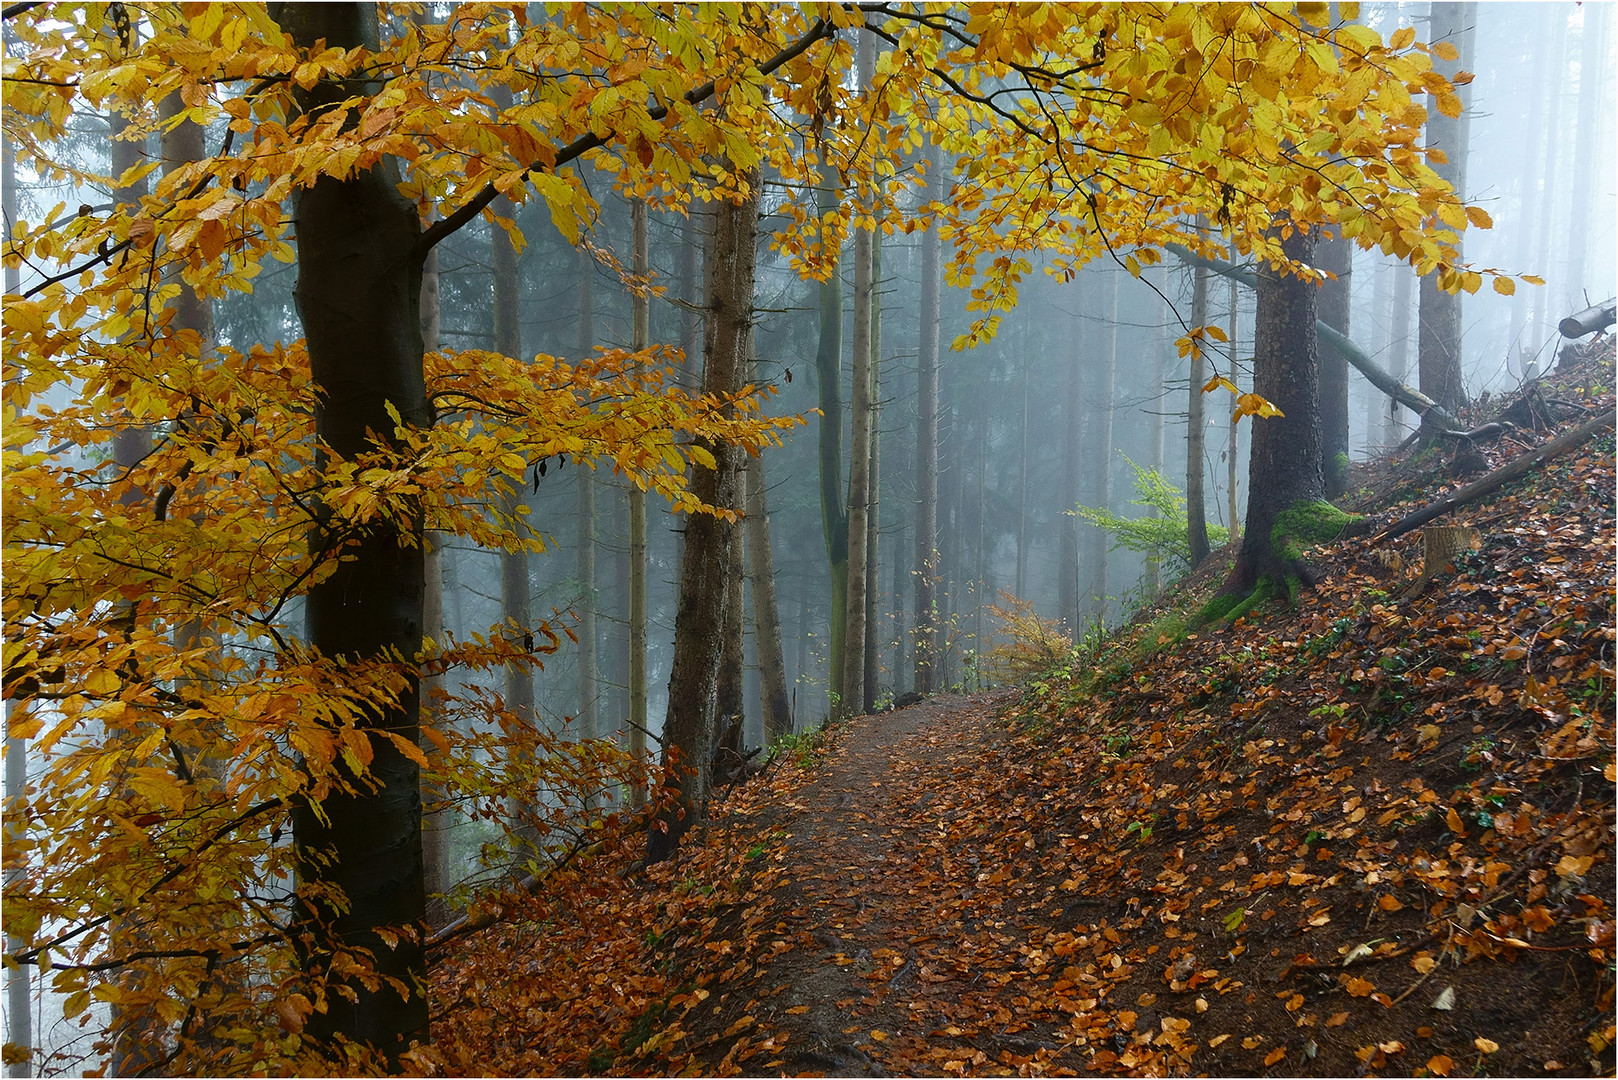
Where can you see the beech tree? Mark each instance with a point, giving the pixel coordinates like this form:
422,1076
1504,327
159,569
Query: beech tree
306,473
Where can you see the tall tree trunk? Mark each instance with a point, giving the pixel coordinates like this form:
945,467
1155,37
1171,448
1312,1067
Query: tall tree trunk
730,697
586,553
688,730
775,706
1548,223
1399,346
1595,52
516,602
1155,428
1196,508
852,689
1335,254
1099,454
18,977
436,824
833,508
1530,201
925,570
1021,577
640,338
873,565
358,296
1233,444
1284,472
1439,336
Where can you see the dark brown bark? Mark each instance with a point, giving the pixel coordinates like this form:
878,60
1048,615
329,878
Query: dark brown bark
688,729
1284,468
776,706
358,296
1336,255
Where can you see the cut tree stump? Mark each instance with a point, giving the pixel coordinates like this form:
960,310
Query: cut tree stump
1440,545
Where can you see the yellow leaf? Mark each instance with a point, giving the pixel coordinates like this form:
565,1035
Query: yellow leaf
1479,217
1445,50
1402,37
1504,286
1440,1064
1488,1046
101,682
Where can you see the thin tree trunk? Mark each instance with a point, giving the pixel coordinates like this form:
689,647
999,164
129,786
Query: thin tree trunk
852,689
1596,45
1100,452
1549,223
18,977
688,730
585,568
1022,472
925,571
1196,428
1439,335
516,603
833,507
775,706
358,296
1067,570
1233,446
1531,204
873,518
1399,346
436,825
640,338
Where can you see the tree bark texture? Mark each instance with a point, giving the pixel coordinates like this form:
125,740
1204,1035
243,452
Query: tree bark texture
1336,255
873,516
358,296
1284,468
775,705
640,338
688,729
925,570
585,566
852,690
833,507
1196,430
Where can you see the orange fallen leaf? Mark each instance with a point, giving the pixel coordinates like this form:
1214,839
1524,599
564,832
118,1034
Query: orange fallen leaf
1440,1064
1358,987
1275,1055
1488,1046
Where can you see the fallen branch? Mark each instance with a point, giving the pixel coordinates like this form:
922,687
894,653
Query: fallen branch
1503,475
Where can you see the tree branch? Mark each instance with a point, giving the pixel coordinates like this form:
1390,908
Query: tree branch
448,226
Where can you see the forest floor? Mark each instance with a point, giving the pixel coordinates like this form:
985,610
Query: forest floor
1368,834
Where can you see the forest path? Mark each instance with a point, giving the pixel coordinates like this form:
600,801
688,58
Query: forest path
855,948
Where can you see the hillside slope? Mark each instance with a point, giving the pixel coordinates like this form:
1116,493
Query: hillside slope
1369,834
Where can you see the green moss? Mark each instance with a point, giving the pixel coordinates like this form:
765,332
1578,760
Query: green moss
1305,524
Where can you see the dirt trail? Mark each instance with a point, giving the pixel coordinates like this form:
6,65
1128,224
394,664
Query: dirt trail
859,945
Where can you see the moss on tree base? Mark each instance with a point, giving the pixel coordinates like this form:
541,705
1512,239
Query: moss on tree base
1283,571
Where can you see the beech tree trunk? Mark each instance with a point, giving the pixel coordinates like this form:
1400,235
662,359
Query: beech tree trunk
688,729
925,570
586,554
1233,445
516,601
775,705
1196,508
18,977
873,567
640,338
1438,355
1099,455
1284,468
358,296
833,507
1067,565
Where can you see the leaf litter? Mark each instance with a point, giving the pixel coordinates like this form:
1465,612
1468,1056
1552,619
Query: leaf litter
1366,835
